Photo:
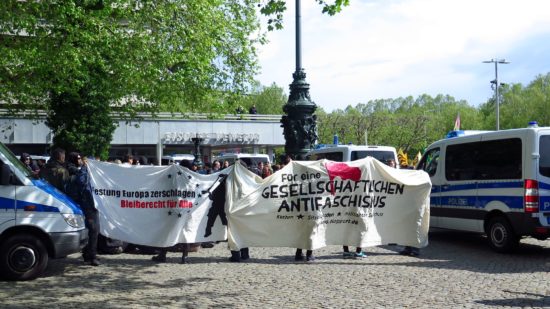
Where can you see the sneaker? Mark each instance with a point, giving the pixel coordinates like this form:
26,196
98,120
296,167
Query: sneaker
348,255
310,259
184,260
159,259
299,257
360,255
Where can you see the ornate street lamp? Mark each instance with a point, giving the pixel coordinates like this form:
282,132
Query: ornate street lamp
299,124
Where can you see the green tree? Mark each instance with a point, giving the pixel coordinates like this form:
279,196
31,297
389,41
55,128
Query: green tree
268,99
81,60
275,9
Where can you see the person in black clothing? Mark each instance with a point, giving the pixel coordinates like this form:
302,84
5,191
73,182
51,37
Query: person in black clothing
26,159
253,110
80,190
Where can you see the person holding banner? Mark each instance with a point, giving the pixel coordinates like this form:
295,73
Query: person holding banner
80,190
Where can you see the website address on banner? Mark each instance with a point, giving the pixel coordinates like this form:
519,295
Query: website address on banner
339,221
155,204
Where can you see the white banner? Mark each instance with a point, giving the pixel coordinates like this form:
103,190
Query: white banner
310,205
159,205
305,205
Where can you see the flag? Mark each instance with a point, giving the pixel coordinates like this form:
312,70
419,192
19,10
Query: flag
457,123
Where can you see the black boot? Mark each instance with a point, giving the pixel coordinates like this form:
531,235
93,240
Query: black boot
235,256
244,254
299,255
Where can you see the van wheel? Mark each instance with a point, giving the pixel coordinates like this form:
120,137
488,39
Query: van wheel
501,235
22,257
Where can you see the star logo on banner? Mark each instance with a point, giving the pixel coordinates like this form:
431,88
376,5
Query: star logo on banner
179,173
179,215
300,216
169,212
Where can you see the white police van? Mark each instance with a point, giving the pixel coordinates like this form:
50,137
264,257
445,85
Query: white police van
37,221
346,153
251,159
496,183
177,158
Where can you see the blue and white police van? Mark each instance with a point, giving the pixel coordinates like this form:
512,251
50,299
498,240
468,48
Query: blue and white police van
37,221
495,182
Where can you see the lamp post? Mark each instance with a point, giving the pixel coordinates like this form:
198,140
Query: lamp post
197,152
299,124
496,84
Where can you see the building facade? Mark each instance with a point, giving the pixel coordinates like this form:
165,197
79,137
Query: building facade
163,135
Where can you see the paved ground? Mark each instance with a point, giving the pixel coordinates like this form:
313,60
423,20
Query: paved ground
455,271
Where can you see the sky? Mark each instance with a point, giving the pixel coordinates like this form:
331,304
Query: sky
382,49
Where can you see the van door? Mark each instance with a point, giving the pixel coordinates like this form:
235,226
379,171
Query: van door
430,164
544,178
7,198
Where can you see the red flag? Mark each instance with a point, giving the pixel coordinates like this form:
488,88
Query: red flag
457,123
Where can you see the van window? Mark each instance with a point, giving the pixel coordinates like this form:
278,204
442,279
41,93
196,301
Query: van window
497,159
544,152
429,162
333,156
382,156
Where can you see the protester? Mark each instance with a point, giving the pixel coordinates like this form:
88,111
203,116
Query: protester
33,168
407,250
225,164
216,166
55,171
128,159
161,256
266,172
299,256
80,190
236,255
276,167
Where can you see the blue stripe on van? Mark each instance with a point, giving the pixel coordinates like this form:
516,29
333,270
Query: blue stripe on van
473,186
513,202
48,188
7,204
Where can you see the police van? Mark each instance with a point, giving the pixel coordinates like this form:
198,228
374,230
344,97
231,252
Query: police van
177,158
249,159
37,221
497,183
346,153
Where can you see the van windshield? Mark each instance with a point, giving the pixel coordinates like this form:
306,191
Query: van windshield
380,155
13,159
544,152
253,161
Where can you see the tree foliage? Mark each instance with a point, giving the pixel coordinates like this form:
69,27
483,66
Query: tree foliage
125,56
407,123
275,9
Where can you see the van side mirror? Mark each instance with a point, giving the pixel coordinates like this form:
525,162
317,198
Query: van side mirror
5,174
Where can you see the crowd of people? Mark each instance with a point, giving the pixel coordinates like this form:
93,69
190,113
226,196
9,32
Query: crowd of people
70,175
